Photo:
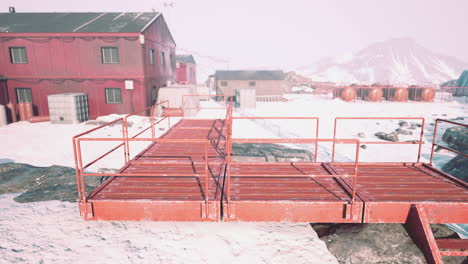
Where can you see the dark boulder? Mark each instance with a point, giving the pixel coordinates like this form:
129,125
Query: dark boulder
457,167
403,131
393,137
269,153
457,138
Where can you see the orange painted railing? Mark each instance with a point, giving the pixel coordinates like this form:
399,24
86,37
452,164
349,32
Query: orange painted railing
81,167
316,119
434,139
420,142
202,95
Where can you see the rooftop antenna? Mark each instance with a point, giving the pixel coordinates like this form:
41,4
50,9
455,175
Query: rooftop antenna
168,5
12,9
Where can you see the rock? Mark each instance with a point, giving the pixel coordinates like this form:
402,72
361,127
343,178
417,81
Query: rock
457,167
457,138
403,131
372,243
361,135
363,146
41,183
269,152
393,137
376,243
403,123
459,118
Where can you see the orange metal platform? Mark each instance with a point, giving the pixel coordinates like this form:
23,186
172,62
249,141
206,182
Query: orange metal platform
188,174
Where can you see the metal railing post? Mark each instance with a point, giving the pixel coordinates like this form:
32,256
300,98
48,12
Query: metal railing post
421,139
153,132
316,137
334,137
77,170
82,181
434,139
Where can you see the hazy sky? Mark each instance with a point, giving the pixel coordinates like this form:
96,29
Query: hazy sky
288,34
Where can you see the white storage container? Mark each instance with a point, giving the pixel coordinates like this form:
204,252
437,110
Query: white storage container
68,108
3,117
247,98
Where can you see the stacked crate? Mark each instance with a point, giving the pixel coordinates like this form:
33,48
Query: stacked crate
68,108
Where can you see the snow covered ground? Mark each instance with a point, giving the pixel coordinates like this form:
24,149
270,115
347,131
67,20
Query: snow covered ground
53,232
328,110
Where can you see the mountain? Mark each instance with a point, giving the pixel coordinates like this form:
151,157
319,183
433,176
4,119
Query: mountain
396,61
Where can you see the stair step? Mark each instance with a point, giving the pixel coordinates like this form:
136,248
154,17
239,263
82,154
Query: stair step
452,247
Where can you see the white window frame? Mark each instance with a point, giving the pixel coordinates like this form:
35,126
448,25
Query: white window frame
24,95
22,58
110,95
110,60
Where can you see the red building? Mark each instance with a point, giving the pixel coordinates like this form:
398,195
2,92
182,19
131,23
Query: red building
119,59
186,69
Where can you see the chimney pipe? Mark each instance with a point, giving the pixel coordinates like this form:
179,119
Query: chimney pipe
12,9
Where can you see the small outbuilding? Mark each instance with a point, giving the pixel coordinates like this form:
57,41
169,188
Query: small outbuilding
265,82
186,69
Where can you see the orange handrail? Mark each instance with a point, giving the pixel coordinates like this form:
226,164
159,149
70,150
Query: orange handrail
434,139
420,142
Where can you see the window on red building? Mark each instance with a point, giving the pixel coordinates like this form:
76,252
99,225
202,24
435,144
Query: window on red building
172,61
110,55
113,96
18,55
163,62
24,95
151,56
154,94
223,83
251,83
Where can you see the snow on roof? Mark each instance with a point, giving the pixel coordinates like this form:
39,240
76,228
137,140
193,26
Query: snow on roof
76,22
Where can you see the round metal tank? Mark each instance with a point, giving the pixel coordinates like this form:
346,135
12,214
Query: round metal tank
399,95
428,94
22,112
348,94
13,112
3,117
168,112
375,94
29,110
36,119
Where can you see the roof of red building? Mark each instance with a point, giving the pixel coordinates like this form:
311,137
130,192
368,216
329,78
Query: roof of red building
75,22
185,58
249,75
